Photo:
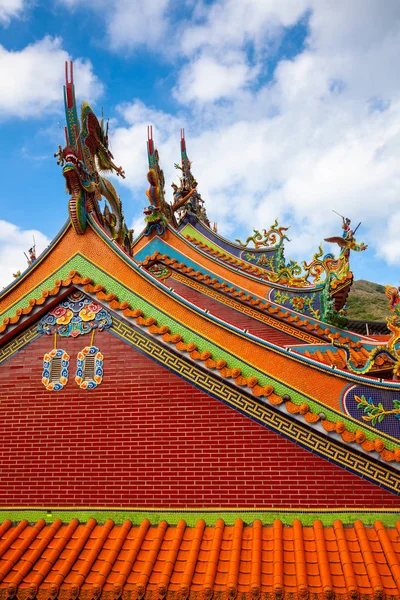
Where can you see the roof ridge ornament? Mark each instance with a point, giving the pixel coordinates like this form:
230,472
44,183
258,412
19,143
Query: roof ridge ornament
273,238
84,158
187,198
158,213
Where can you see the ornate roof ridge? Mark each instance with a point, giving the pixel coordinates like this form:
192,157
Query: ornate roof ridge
337,356
265,274
242,307
205,356
286,315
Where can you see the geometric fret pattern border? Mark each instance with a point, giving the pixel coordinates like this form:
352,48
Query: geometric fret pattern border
18,342
262,413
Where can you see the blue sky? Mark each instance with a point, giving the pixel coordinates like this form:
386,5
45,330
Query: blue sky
291,109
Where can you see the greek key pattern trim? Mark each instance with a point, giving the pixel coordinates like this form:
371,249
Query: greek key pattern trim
18,343
247,310
261,413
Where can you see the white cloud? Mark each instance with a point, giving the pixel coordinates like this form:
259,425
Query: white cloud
323,134
38,77
131,23
10,9
138,22
232,23
13,243
208,78
389,247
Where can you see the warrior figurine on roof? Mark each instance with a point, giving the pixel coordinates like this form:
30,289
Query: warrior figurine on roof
32,254
346,226
187,199
347,242
346,222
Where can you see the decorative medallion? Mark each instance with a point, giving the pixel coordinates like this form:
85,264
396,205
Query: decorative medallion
76,315
89,372
160,271
55,370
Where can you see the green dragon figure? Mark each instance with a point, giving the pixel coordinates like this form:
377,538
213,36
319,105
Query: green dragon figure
273,238
85,156
159,212
391,350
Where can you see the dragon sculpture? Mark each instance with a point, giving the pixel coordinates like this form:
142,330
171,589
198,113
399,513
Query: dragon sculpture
347,243
273,238
84,158
187,199
391,350
158,213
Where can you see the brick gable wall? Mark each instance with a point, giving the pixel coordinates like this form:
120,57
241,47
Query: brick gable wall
146,438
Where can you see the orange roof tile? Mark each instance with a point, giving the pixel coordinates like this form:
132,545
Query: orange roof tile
286,315
88,561
359,356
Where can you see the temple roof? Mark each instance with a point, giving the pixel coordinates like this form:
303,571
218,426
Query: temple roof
243,315
87,561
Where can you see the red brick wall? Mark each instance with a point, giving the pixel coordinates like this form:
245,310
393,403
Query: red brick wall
147,438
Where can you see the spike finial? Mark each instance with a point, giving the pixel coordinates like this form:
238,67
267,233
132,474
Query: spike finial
150,145
183,145
69,83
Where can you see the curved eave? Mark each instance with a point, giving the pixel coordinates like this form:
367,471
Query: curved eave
218,239
222,340
18,280
238,343
195,309
230,268
245,279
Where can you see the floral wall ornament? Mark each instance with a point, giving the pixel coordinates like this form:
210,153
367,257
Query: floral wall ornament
76,315
89,372
377,408
55,369
375,413
307,304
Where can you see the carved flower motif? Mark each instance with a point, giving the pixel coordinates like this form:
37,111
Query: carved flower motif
298,302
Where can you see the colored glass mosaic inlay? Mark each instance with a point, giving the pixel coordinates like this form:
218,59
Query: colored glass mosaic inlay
377,408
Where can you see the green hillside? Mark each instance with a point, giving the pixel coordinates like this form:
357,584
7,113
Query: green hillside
367,302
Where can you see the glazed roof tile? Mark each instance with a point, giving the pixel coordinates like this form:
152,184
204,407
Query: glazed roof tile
287,316
359,356
233,261
88,561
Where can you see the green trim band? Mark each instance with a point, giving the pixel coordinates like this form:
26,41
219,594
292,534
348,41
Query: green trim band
389,517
